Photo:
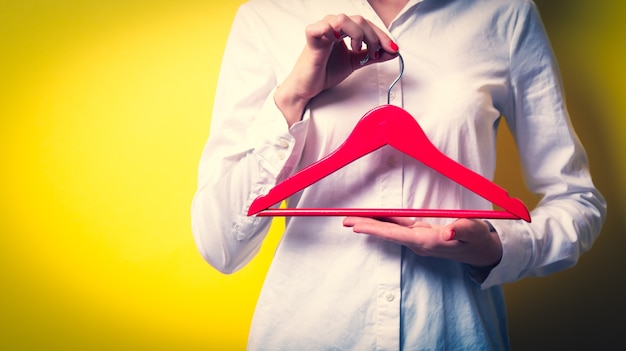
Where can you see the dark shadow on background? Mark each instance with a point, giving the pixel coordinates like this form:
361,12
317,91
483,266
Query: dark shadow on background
582,308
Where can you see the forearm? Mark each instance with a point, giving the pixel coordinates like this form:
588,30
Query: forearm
225,237
290,105
238,165
567,220
250,149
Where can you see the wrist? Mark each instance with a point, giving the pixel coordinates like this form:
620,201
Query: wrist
290,105
480,270
497,246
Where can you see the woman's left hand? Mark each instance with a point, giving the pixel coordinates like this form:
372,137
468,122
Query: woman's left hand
465,240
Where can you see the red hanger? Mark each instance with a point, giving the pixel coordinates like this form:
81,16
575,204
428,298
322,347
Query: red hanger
390,125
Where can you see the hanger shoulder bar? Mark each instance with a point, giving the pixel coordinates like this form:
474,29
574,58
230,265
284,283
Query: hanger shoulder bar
368,136
406,135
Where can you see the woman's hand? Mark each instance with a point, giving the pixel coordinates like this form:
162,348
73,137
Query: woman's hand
326,60
466,240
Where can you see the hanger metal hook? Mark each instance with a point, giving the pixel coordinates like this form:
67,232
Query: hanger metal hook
397,79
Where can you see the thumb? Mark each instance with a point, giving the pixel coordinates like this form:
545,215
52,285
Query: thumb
466,230
449,233
456,230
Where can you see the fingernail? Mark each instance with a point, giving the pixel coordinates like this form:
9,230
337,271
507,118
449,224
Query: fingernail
394,46
337,35
452,234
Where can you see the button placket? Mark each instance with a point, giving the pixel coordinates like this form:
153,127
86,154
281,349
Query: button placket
283,146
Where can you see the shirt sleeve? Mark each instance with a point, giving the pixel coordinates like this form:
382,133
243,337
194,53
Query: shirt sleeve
250,149
571,212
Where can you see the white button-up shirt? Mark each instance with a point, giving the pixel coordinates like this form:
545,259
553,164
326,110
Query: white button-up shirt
468,64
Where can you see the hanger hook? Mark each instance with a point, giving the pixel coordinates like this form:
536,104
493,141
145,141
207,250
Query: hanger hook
397,79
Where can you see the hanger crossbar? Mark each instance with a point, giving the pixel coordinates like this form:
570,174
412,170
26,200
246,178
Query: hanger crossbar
383,212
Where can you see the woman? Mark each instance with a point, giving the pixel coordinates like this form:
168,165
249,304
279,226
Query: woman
405,284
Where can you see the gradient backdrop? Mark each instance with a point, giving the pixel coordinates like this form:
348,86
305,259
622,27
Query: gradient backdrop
104,109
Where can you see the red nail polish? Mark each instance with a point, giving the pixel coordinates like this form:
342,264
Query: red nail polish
337,35
452,234
394,46
376,55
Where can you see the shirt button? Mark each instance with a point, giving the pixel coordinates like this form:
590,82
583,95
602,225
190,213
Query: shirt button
283,143
391,161
389,297
392,96
281,155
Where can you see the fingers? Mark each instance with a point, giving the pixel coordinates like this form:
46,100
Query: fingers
321,33
383,229
421,238
360,31
410,222
404,229
385,42
466,240
326,60
405,221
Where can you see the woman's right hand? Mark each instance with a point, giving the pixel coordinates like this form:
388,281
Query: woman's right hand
326,60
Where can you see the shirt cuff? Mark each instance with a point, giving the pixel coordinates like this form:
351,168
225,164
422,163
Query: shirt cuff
516,253
278,146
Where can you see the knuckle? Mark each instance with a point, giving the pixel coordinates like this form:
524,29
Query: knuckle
341,18
310,29
359,20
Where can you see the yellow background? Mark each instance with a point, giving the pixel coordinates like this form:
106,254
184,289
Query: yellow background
104,109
